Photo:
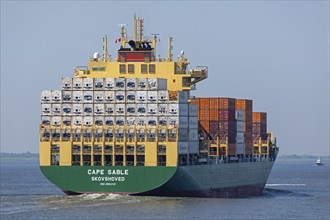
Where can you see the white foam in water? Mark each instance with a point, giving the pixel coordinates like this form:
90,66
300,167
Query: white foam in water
91,196
112,196
286,184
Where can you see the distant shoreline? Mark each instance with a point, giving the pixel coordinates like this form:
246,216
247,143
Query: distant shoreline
20,155
36,155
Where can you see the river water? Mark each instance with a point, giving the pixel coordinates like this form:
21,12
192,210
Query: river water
296,189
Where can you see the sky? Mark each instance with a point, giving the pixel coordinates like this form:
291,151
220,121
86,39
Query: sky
274,52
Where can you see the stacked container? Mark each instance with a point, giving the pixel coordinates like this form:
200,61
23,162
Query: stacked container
246,106
239,116
227,123
216,118
259,126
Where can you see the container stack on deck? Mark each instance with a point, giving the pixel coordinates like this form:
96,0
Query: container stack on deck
259,126
259,132
123,114
227,128
246,106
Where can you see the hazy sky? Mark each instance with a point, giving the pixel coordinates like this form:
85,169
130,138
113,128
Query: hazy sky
274,52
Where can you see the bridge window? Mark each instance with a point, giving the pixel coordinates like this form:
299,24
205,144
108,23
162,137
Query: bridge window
130,68
152,68
144,68
122,68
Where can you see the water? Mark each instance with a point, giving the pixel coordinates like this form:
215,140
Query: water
296,189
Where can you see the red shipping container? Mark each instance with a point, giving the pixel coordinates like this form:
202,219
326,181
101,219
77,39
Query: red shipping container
247,136
214,135
227,126
231,149
214,126
248,126
260,128
248,149
231,136
248,115
226,115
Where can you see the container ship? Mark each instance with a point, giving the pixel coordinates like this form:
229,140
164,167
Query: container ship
128,125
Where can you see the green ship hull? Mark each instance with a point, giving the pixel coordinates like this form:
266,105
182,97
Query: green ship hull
214,180
98,179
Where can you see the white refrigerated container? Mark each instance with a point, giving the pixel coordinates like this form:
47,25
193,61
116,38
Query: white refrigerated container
56,109
152,96
99,109
77,109
162,96
88,83
152,109
131,84
46,96
67,83
141,96
77,96
77,83
56,96
56,120
141,83
109,108
130,96
157,84
46,109
88,96
109,96
66,109
120,84
98,83
88,120
109,83
98,96
120,97
88,109
66,96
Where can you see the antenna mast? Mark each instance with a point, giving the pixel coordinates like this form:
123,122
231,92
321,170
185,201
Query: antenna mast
138,29
105,49
169,49
123,34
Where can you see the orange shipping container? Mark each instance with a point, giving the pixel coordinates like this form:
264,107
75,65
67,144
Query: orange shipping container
204,114
243,104
204,103
214,103
205,124
259,117
214,115
227,103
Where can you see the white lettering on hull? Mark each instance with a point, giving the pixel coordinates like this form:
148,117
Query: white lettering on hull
107,177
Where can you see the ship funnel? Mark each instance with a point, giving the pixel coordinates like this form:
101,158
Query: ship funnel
132,44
